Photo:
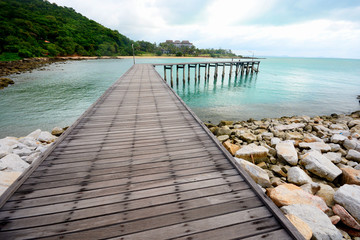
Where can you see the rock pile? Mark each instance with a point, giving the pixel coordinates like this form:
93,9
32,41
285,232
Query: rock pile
16,154
309,167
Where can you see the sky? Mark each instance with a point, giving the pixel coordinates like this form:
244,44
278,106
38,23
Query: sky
294,28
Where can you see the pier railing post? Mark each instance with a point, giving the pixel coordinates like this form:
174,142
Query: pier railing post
171,72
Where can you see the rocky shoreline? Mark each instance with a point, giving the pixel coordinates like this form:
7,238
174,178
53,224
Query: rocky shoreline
17,154
309,167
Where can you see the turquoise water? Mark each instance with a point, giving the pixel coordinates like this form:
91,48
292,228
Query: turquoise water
284,86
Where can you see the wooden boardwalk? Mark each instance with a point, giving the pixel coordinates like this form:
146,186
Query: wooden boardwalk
138,165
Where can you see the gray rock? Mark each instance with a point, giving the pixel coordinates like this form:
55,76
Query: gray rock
224,130
338,138
253,152
267,135
248,137
46,137
258,174
334,147
286,151
3,153
351,144
223,138
333,157
35,134
317,220
353,123
13,162
31,158
318,164
29,142
311,188
353,155
275,141
348,196
22,152
289,127
318,146
327,193
298,176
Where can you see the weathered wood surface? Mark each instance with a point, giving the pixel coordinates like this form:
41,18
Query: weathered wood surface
139,165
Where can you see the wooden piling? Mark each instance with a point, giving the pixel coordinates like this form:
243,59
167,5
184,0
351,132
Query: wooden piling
188,73
165,73
237,69
195,73
171,72
177,74
231,66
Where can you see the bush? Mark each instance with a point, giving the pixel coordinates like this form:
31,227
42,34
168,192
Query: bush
179,54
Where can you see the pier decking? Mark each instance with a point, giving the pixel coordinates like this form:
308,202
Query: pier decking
138,164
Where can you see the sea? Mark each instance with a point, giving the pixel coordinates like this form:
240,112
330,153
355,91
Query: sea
56,95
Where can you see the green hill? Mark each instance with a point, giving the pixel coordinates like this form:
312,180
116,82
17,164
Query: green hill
37,28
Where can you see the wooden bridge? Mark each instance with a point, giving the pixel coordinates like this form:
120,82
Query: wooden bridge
138,164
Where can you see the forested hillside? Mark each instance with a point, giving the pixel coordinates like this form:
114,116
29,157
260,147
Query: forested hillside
37,28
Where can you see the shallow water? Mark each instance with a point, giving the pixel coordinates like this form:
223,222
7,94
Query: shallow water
284,86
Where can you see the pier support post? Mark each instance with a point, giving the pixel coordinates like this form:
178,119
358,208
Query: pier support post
216,70
177,74
195,73
231,66
223,73
188,73
183,74
171,72
237,69
165,73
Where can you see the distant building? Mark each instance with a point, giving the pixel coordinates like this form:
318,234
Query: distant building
177,43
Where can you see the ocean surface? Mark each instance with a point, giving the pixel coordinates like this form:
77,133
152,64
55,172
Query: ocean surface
58,94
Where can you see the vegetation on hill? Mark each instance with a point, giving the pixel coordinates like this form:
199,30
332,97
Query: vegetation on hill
37,28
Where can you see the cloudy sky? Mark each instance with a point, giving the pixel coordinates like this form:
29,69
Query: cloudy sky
307,28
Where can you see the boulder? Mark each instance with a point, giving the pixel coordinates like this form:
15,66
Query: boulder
334,147
348,196
318,146
289,127
232,148
353,123
267,136
13,162
224,123
350,176
248,137
252,152
275,141
225,130
29,142
298,176
57,131
47,137
300,225
3,153
222,138
345,217
351,144
327,193
7,178
318,164
333,157
293,136
277,169
288,194
286,151
353,155
22,152
311,188
258,174
35,134
337,138
318,221
30,159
